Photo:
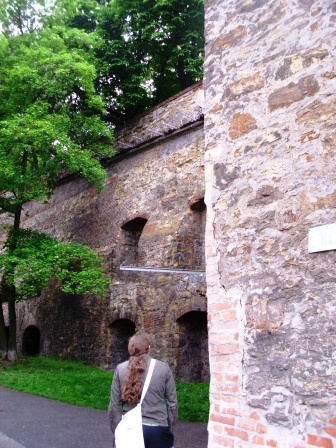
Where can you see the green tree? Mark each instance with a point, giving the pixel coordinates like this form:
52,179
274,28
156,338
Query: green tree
38,259
152,49
65,71
51,122
32,260
20,16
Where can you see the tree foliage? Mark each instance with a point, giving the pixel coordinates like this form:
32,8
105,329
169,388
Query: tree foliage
39,259
52,122
152,50
70,70
20,16
51,118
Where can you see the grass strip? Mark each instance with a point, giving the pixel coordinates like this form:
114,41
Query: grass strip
77,383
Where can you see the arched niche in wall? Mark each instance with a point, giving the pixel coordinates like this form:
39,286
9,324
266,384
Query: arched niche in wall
120,331
198,231
187,249
132,231
192,351
31,341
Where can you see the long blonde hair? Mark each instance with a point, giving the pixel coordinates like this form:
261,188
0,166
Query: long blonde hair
138,345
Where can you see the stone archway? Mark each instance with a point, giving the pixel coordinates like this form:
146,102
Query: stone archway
31,341
192,350
120,332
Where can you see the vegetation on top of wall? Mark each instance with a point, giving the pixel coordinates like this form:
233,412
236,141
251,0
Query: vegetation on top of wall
143,52
151,49
76,383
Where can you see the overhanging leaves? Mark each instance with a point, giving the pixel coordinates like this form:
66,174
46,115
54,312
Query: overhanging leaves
39,259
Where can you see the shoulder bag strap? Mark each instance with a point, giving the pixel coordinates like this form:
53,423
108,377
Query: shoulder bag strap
148,378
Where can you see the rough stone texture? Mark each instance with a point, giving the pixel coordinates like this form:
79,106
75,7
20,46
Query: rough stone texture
169,116
270,176
151,213
270,84
285,96
241,124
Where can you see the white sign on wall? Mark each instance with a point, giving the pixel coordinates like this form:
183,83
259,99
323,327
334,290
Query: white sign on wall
322,238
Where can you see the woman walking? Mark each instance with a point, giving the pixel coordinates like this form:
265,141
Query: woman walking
159,406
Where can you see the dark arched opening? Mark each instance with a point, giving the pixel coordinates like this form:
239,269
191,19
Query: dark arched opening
31,341
120,332
192,354
132,231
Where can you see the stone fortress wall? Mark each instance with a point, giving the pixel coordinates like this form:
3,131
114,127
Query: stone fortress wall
151,213
270,167
268,152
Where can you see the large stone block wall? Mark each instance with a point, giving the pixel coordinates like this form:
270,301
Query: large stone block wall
157,180
270,166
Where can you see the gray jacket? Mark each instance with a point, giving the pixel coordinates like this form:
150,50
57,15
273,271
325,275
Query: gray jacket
159,406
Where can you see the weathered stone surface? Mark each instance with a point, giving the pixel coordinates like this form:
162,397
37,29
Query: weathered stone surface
241,124
151,214
229,40
265,195
169,116
245,6
292,93
264,190
329,75
317,112
297,63
225,175
270,69
244,86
